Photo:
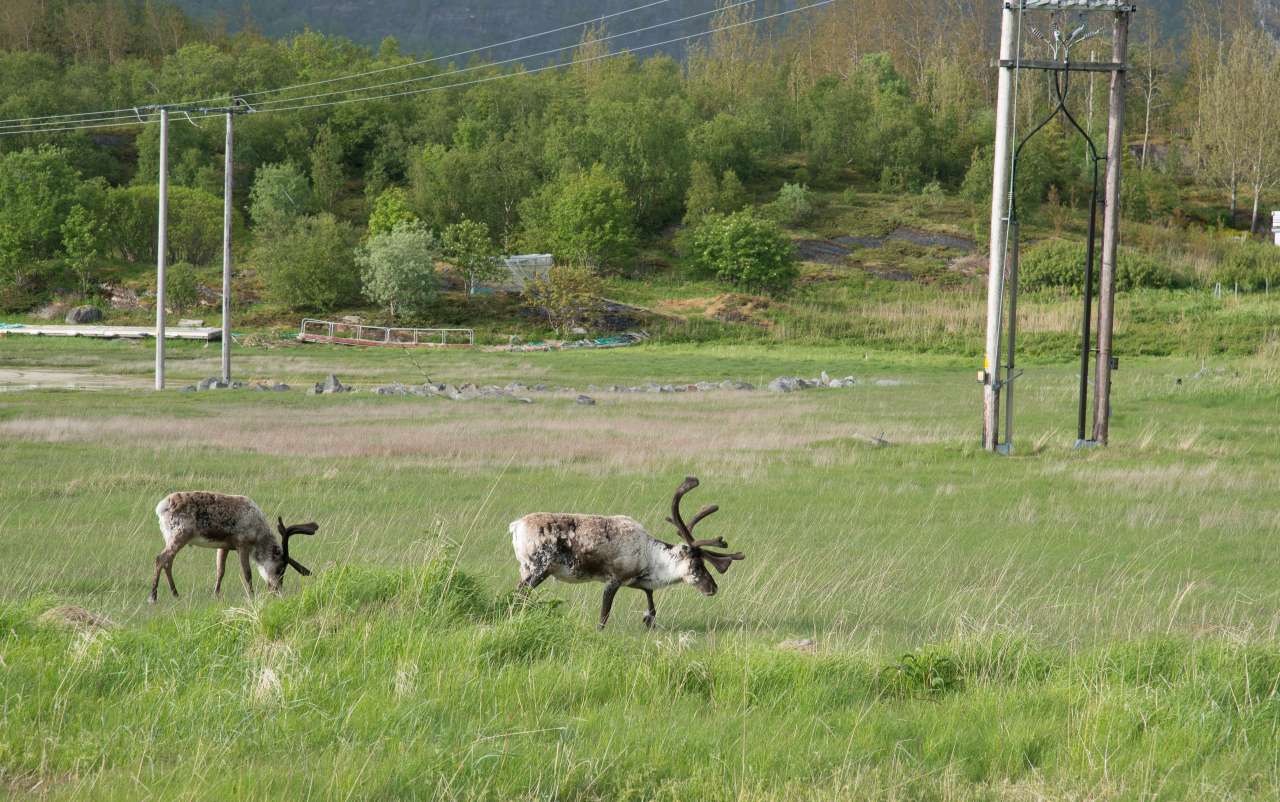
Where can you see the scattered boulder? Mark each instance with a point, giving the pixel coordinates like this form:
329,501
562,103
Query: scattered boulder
84,314
586,401
392,389
190,388
329,386
212,383
785,384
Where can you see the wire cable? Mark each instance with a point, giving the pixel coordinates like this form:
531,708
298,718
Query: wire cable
129,110
487,79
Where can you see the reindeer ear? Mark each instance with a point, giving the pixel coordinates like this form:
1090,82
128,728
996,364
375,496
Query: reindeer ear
722,561
299,567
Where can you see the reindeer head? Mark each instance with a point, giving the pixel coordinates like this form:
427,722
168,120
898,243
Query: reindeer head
276,563
693,553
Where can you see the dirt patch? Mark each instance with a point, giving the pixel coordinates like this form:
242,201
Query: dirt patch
75,618
11,380
971,265
734,308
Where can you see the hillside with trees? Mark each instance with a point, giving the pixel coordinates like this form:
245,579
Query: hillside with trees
710,175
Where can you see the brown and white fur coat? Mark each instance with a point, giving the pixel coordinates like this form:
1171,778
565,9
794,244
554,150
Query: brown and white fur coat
226,523
615,550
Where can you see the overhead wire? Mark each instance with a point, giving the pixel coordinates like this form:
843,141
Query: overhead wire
128,120
126,111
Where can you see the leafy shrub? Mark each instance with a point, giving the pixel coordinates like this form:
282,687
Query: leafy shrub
743,250
928,673
1252,265
398,269
793,206
1060,264
587,217
181,289
280,195
391,208
195,223
309,264
569,295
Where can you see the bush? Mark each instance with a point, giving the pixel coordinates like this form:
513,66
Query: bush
1252,265
1060,264
569,295
793,206
391,208
195,223
582,217
398,269
280,195
181,289
743,250
309,265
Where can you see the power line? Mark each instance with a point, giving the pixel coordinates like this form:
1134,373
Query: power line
131,109
504,62
487,79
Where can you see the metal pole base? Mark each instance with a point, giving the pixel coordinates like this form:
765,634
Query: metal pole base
1004,449
1087,444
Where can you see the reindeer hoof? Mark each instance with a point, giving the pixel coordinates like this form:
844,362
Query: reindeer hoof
151,599
648,621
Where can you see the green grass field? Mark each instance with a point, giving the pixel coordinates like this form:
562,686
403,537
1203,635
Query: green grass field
1061,624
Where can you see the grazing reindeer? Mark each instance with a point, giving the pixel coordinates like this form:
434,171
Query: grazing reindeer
617,551
225,523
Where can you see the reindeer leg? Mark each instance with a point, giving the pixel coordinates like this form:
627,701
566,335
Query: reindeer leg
155,580
534,579
219,568
650,616
607,604
246,572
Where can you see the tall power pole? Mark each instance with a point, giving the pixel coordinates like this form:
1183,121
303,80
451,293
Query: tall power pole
162,245
1110,234
999,221
226,253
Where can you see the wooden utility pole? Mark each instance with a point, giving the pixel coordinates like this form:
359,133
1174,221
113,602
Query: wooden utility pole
1000,198
226,252
162,245
1110,234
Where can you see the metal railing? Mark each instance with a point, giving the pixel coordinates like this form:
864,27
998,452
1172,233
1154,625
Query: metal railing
313,330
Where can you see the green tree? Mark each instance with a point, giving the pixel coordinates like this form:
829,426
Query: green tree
733,196
582,217
794,204
569,296
37,190
309,264
327,175
280,195
81,242
745,251
390,209
470,248
398,268
703,196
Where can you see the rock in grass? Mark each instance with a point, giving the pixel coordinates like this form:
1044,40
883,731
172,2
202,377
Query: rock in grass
586,401
84,314
799,645
392,389
785,384
330,386
212,383
75,618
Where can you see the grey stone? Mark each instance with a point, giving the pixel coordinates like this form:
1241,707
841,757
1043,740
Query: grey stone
540,388
392,389
212,383
586,401
190,388
523,400
784,384
705,386
280,387
799,645
84,314
331,385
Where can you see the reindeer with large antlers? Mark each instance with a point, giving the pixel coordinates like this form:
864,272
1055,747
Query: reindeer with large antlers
225,523
617,551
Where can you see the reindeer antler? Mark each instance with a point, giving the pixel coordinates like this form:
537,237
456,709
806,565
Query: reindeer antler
686,530
288,531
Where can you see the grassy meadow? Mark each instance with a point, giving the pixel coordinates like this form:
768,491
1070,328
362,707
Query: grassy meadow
1058,625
